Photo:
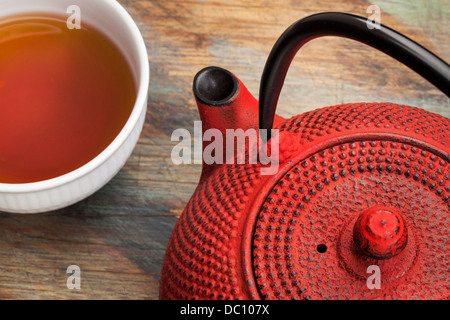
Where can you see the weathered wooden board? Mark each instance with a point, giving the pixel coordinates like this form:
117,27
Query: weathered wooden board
118,236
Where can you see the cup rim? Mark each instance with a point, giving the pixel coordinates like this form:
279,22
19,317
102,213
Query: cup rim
139,105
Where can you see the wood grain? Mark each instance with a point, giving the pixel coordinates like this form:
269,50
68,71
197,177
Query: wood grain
118,235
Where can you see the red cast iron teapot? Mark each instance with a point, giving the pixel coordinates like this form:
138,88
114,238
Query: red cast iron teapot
357,209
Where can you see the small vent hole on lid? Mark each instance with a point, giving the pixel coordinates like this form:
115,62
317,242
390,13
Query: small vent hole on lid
322,248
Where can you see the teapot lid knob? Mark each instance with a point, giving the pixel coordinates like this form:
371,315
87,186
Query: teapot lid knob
380,232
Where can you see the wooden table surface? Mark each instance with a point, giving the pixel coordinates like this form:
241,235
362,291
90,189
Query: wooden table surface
118,236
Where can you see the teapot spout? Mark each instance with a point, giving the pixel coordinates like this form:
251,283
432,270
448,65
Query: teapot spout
224,103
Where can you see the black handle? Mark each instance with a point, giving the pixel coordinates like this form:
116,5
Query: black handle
396,45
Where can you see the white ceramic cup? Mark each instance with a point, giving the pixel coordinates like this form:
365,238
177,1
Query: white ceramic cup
109,17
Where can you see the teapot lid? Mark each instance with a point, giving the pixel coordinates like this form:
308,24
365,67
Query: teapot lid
329,221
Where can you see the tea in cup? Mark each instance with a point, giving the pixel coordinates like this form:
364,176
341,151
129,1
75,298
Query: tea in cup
73,93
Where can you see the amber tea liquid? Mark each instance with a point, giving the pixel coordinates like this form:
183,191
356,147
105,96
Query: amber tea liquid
65,94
